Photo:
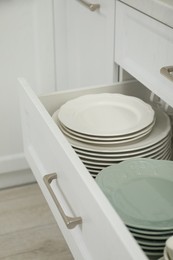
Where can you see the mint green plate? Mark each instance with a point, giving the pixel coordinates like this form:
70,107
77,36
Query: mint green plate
141,191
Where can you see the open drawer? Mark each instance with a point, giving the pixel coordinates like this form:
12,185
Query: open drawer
91,227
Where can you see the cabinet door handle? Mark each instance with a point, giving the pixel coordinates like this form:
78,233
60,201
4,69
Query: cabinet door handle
90,6
167,72
70,222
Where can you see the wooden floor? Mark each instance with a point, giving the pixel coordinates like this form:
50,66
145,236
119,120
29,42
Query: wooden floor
27,228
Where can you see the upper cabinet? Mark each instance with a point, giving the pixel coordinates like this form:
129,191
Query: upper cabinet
143,47
84,43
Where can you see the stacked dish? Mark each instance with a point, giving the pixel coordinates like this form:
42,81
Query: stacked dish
141,191
105,129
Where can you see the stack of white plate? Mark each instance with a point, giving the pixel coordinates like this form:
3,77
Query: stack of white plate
141,191
105,129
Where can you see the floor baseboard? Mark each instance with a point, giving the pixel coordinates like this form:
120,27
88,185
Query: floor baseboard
16,178
13,162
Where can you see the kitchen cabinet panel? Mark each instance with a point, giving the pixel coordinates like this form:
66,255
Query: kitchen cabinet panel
84,44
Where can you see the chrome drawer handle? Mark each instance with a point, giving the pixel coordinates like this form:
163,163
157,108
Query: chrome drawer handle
92,7
70,222
167,72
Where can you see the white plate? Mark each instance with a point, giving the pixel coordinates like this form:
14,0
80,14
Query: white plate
120,157
93,170
155,237
141,192
98,168
160,130
153,254
99,139
102,162
151,232
106,114
153,248
151,243
105,142
101,154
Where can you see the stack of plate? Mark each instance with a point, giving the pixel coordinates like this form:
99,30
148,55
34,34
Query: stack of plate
105,129
141,191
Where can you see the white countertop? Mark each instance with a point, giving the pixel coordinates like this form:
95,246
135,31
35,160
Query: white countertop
161,10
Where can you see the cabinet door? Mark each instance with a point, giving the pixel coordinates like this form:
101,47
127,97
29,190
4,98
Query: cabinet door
96,231
84,43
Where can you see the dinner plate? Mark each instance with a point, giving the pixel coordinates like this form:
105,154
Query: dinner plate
153,254
94,167
160,130
119,157
153,248
111,138
94,161
151,232
93,171
125,153
151,243
154,237
103,139
106,114
98,168
140,190
93,175
104,142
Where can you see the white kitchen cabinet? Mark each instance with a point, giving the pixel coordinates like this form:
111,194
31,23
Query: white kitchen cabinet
143,46
100,233
90,225
26,48
84,43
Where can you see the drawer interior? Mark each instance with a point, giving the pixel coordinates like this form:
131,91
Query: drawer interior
53,101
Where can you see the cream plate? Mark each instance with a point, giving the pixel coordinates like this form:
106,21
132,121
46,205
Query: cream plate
160,154
160,130
153,254
101,154
155,237
151,243
120,157
141,191
102,139
151,232
106,114
104,142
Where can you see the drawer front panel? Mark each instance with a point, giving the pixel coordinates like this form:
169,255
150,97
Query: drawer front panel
142,47
102,235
